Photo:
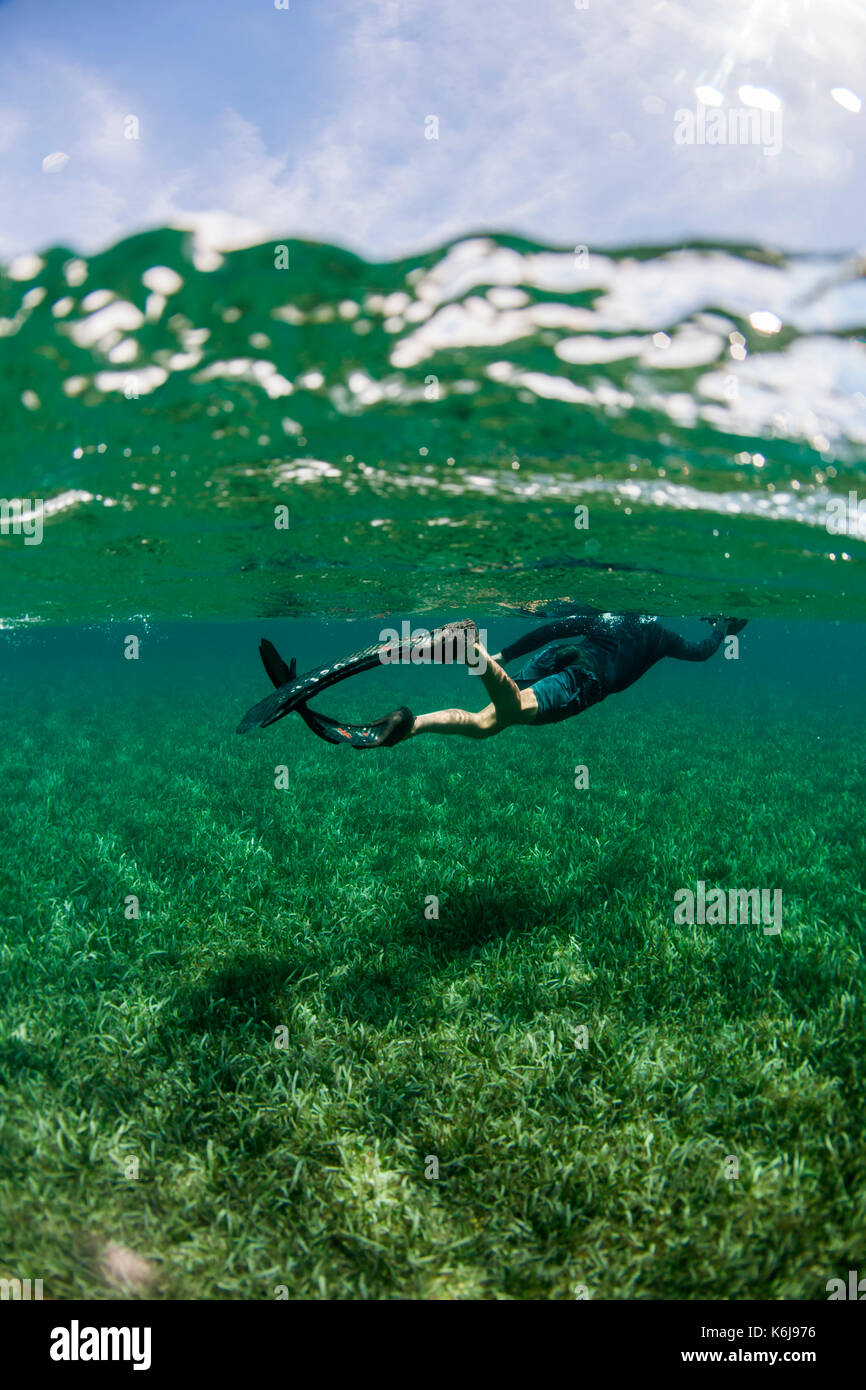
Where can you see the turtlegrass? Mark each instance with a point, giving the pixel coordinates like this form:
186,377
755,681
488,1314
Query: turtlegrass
406,1038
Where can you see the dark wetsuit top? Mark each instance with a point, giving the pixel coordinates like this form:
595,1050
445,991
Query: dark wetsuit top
614,650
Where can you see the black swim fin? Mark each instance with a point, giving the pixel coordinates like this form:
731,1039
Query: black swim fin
380,733
295,691
441,645
273,663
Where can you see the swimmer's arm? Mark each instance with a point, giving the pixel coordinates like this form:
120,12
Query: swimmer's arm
578,625
683,650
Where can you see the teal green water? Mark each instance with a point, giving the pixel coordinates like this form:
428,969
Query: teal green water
496,430
430,427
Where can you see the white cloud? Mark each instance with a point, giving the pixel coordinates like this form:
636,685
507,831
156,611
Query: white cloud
554,122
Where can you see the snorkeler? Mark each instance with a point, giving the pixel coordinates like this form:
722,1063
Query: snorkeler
563,679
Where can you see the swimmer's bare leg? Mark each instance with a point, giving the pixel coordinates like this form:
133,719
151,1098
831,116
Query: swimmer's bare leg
509,704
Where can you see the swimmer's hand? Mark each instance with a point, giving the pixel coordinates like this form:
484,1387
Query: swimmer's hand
731,626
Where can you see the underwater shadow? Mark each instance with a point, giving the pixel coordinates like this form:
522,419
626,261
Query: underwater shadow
477,915
252,985
404,987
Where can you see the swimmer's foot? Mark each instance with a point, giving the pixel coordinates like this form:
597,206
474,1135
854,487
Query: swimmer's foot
453,642
385,733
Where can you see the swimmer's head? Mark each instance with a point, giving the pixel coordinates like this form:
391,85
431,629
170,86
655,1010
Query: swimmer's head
567,655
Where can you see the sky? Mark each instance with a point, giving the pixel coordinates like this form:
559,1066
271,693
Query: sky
575,122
